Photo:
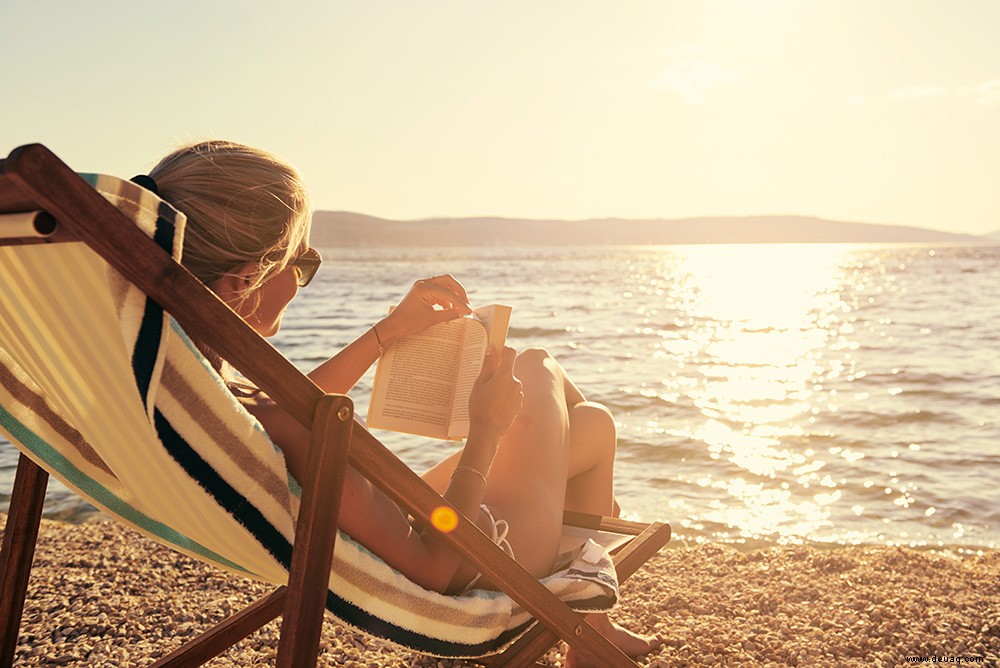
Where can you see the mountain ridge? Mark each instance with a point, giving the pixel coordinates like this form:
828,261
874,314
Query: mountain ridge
345,228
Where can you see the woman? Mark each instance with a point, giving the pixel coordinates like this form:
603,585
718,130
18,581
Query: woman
535,446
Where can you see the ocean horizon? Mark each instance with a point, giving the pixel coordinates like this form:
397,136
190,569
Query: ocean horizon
827,394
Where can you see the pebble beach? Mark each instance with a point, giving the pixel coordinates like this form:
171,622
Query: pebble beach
102,595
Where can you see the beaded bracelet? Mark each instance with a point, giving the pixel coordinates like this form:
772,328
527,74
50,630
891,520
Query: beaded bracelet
470,470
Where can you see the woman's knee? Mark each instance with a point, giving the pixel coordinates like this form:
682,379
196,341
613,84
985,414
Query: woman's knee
594,418
536,366
595,422
534,357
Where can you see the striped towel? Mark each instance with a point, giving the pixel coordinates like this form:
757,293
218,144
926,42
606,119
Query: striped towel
106,392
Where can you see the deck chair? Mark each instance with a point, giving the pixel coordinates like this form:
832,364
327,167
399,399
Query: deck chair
102,387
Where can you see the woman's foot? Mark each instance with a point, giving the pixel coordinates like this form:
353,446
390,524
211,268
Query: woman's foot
628,642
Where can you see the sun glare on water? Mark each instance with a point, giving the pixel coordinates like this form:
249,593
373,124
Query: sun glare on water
759,324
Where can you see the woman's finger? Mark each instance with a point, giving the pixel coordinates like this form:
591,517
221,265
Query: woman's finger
444,315
452,283
443,296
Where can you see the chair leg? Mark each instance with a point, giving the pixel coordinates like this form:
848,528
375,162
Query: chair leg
19,537
316,532
303,603
537,640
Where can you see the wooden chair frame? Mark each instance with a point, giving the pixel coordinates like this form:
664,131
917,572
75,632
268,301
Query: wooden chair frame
32,178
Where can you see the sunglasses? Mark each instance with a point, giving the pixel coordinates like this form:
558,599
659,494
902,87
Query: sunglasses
306,266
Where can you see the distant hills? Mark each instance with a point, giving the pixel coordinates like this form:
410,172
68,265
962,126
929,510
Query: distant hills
341,228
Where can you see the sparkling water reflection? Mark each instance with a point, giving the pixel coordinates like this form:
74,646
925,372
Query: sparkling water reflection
757,325
772,346
763,393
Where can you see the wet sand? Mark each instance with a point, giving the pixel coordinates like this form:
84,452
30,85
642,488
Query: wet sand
102,595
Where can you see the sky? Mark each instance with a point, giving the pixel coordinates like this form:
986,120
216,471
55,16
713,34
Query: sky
879,111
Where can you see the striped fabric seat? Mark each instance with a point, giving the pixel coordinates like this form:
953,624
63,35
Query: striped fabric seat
105,391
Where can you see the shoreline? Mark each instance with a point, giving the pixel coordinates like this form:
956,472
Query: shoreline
101,594
678,541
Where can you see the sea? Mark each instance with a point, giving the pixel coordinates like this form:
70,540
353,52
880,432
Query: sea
818,394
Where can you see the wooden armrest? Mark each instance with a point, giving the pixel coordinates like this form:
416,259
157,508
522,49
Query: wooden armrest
601,523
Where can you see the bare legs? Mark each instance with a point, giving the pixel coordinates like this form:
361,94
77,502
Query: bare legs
558,455
527,482
590,489
592,438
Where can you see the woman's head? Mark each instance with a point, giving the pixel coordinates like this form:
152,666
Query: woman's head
248,215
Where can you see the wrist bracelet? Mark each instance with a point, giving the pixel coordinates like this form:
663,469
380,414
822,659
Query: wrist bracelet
378,340
470,470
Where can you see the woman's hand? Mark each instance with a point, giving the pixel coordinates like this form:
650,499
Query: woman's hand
419,308
497,396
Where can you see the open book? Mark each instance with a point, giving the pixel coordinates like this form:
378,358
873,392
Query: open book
423,382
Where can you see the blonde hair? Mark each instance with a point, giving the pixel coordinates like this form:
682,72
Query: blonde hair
243,205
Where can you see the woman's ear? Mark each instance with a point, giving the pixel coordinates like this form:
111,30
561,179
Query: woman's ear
232,286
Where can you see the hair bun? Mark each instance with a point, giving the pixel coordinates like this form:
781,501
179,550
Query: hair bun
146,182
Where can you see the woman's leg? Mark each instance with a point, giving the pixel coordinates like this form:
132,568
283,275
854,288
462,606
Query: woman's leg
593,444
593,440
527,481
590,489
538,470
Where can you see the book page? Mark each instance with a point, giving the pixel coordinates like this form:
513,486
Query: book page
496,317
423,382
415,381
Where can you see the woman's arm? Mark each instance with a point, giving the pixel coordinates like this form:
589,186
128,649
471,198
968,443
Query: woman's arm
342,372
428,302
371,518
496,399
